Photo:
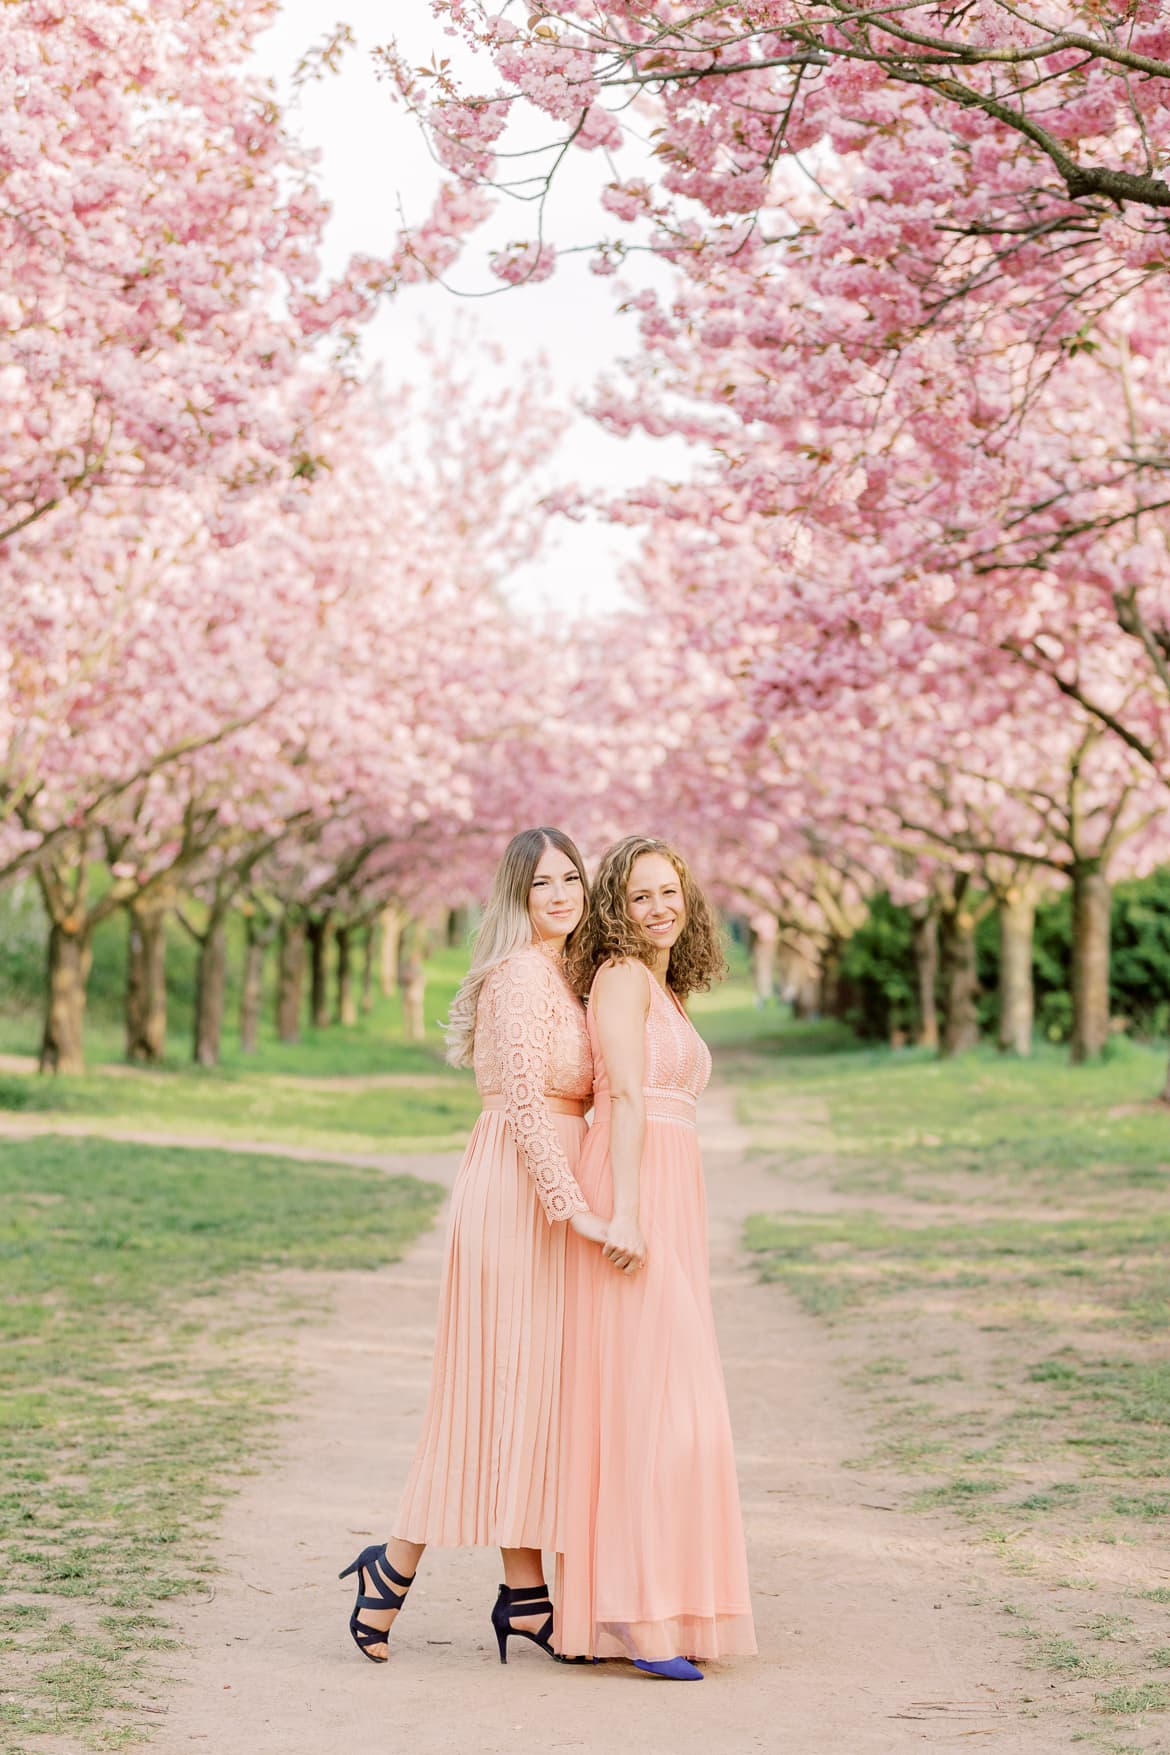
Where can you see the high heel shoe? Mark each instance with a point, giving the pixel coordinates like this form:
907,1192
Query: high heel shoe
678,1669
530,1599
373,1564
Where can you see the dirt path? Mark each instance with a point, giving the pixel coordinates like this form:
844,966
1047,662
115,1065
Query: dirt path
871,1640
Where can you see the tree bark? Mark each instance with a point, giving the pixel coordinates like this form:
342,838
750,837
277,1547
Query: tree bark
291,979
318,930
211,990
252,991
367,1005
63,1036
958,980
1017,917
412,979
146,982
924,930
1092,900
391,934
763,966
799,981
830,984
346,1004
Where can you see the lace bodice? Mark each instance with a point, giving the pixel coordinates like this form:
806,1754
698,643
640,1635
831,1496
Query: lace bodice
531,1043
677,1058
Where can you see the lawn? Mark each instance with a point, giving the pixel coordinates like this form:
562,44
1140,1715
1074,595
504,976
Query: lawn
989,1241
248,1106
136,1384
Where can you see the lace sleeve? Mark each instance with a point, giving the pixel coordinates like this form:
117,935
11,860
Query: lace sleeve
522,1007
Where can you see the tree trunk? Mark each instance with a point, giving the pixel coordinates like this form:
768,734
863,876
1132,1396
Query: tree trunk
925,940
799,982
458,927
146,983
211,990
1017,917
291,979
62,1040
412,979
958,979
368,970
346,1004
391,935
318,932
831,995
763,966
252,991
1092,900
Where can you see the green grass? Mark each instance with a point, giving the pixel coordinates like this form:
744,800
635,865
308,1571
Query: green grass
1136,1698
901,1119
136,1384
1118,1264
255,1106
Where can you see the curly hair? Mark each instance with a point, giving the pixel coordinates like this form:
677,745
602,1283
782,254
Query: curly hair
607,933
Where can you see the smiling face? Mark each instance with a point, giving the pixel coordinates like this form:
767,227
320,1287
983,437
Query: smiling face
556,897
654,902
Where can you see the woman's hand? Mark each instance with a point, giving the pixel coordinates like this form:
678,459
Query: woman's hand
624,1245
590,1226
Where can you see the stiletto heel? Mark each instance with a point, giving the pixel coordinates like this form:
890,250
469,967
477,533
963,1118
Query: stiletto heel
372,1563
528,1600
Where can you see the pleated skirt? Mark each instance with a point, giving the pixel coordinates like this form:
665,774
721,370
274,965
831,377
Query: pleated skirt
651,1560
485,1470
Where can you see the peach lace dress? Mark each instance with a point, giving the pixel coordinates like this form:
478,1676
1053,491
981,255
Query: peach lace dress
652,1562
484,1472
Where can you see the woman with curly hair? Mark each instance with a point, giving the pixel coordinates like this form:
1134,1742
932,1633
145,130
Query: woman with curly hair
651,1562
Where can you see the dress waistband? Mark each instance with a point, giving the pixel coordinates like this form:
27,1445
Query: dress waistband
559,1105
666,1103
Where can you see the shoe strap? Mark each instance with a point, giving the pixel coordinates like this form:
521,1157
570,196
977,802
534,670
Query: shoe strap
523,1594
386,1598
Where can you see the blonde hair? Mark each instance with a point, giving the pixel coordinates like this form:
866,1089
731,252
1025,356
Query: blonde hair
607,932
506,927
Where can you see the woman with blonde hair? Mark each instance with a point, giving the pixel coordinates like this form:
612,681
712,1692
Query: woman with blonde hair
651,1552
484,1471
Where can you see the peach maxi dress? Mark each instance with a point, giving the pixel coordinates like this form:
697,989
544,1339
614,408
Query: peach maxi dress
652,1561
484,1473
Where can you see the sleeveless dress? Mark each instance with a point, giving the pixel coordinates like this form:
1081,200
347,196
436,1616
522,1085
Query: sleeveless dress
484,1472
652,1561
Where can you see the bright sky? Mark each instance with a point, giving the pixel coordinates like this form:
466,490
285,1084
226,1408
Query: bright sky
374,162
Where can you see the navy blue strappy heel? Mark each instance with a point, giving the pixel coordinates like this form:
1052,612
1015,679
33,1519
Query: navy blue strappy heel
373,1564
530,1599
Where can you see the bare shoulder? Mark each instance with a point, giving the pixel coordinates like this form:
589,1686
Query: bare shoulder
622,982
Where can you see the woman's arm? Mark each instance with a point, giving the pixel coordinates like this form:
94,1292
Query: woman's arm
620,1001
521,1007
